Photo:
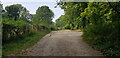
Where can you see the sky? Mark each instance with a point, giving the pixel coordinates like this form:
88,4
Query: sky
32,6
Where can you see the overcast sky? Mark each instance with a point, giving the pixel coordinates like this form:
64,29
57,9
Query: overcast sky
32,5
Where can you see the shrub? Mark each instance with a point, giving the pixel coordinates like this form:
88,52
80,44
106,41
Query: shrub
104,37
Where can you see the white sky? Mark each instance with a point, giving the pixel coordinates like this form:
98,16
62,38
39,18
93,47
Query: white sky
28,0
32,5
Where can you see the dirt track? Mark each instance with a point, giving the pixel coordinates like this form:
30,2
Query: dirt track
61,43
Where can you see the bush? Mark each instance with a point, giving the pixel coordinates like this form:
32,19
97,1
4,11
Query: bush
104,37
13,30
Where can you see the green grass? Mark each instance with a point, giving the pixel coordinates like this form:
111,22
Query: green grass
15,47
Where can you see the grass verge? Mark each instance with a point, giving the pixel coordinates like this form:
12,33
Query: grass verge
15,47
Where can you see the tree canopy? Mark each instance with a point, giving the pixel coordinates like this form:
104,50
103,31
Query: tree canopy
43,16
98,20
79,15
16,12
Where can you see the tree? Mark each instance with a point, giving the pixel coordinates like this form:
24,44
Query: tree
60,22
72,14
43,16
16,11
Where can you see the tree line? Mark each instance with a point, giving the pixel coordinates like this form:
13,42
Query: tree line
18,22
100,22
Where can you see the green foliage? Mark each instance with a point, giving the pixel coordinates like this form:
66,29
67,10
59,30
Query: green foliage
72,15
13,11
13,22
99,20
103,30
43,16
60,22
104,37
17,28
16,12
13,29
15,46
